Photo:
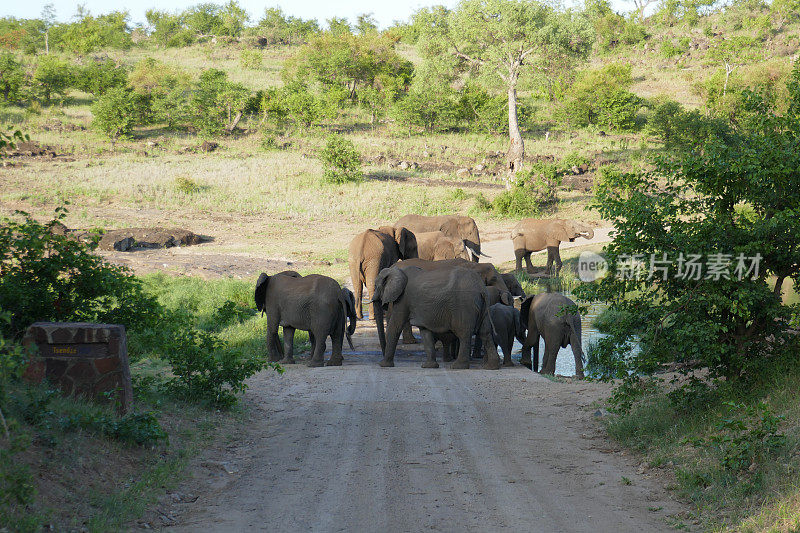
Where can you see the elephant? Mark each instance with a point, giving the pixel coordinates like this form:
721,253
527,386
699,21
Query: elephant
499,296
436,246
532,235
513,285
313,303
373,250
508,325
456,226
439,302
551,315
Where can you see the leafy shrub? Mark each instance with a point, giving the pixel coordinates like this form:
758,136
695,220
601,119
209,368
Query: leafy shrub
519,202
169,30
217,104
429,109
600,97
12,78
52,76
341,162
251,59
99,76
116,112
48,277
302,106
164,89
684,130
486,113
669,49
186,185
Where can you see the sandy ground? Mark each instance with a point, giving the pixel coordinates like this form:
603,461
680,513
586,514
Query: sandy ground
364,448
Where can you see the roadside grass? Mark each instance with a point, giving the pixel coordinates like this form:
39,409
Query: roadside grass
740,476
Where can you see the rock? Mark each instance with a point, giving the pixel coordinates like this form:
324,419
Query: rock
598,413
427,154
463,173
575,170
403,165
125,239
584,168
151,144
209,146
479,168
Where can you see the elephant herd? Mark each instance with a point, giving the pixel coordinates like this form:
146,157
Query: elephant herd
425,272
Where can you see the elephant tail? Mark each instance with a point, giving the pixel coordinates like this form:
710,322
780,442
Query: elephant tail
575,336
380,324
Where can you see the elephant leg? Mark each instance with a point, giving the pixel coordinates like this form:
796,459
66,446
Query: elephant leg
477,348
408,334
549,359
558,260
272,342
392,337
535,360
462,361
337,339
578,363
519,253
508,345
288,345
358,294
449,350
528,264
430,348
318,350
492,359
525,360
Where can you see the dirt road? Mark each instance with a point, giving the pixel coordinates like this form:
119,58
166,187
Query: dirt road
364,448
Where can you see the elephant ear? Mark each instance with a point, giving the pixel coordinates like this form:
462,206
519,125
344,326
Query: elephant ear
407,242
450,228
394,285
558,233
388,230
261,291
525,309
506,298
444,250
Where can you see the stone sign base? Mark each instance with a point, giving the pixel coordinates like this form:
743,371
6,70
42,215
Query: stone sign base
89,360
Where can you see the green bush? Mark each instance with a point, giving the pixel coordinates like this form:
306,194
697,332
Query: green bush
601,97
429,109
165,91
52,77
684,130
116,112
302,106
669,50
49,277
99,76
487,113
186,185
251,59
341,162
519,202
12,78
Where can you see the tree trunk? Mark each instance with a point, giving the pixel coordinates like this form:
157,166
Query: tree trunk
516,149
235,122
47,42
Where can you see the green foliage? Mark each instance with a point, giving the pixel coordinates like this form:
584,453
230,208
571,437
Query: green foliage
51,76
186,185
164,89
302,106
688,204
519,202
682,130
487,113
600,97
669,49
90,33
429,109
116,112
12,78
278,28
48,277
341,162
251,59
24,35
748,435
99,76
169,30
217,104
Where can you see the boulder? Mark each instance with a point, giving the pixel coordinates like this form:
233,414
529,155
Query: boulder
126,239
209,146
463,173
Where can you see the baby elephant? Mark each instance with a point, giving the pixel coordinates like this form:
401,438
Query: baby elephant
508,326
312,303
553,316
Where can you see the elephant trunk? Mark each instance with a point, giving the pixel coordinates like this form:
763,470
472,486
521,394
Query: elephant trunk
589,233
378,306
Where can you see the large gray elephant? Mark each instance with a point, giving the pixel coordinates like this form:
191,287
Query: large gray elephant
456,226
373,250
554,317
451,301
313,303
436,246
532,235
508,326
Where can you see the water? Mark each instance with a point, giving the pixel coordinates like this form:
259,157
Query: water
565,360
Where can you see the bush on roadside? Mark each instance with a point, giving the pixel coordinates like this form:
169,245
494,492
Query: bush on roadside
341,162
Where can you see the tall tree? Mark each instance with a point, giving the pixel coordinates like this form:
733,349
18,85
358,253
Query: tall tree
503,39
